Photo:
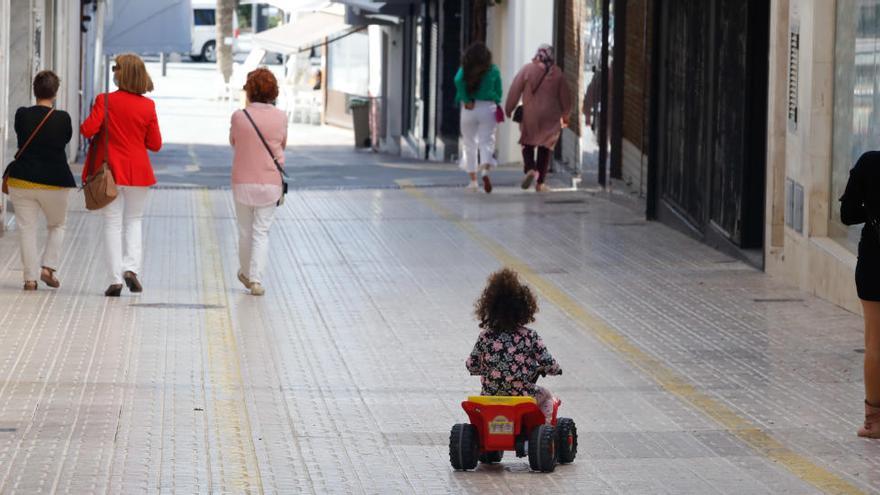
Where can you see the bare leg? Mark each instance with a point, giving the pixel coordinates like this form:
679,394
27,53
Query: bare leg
872,352
545,401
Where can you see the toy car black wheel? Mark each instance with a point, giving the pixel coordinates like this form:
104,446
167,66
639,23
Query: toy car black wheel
542,449
492,457
567,443
464,446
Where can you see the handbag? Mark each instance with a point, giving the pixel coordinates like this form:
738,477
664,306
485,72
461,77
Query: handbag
274,160
518,112
99,187
5,187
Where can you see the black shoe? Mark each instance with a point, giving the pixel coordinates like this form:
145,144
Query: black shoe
114,290
131,280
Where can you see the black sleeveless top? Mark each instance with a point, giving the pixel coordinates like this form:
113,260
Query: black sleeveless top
45,159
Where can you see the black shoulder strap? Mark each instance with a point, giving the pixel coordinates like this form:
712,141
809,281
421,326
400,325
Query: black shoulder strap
541,81
274,160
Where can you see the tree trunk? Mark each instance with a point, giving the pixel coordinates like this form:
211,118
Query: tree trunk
225,10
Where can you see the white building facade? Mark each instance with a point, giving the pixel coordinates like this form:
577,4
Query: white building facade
37,35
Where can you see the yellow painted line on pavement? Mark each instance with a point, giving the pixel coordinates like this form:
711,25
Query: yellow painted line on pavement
232,447
744,429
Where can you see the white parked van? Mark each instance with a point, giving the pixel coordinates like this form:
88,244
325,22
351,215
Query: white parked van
204,32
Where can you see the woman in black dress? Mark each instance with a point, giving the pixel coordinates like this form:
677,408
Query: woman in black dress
40,180
861,204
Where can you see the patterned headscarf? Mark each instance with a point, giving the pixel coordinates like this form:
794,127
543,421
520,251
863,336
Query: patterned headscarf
545,55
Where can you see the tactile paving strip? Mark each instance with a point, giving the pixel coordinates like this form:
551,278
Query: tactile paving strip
348,374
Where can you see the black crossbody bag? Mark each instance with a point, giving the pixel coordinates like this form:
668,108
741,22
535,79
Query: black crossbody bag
518,112
274,160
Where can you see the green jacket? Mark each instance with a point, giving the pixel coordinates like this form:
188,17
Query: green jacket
489,90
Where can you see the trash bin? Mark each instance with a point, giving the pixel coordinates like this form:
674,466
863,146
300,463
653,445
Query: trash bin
360,115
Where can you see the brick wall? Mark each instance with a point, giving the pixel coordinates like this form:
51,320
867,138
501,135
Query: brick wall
637,72
573,62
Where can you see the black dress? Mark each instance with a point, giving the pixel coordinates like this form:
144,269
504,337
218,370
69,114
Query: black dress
860,203
45,159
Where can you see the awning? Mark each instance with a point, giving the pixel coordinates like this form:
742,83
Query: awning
157,26
308,29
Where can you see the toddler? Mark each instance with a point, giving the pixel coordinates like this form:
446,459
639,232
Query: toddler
507,354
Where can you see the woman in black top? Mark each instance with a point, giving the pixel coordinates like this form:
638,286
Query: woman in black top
40,180
860,203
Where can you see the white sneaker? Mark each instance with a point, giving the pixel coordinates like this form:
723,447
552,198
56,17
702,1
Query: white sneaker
473,186
257,289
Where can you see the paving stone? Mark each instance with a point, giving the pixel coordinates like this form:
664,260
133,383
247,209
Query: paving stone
348,374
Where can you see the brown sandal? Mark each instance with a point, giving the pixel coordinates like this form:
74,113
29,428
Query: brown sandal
871,428
47,275
30,285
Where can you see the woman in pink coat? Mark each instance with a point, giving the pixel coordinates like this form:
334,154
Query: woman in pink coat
258,135
546,105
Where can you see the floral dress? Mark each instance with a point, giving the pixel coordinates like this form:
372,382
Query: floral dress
506,360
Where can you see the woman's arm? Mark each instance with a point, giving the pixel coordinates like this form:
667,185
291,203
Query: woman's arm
17,124
515,92
498,88
153,138
283,139
93,122
852,203
460,90
68,127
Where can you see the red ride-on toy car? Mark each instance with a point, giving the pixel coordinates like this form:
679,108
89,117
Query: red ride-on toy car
516,424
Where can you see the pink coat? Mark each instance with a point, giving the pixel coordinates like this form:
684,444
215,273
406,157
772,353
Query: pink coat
542,109
251,163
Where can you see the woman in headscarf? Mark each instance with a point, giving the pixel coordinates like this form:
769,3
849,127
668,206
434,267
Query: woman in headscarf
546,105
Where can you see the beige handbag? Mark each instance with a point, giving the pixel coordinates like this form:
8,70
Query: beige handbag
100,186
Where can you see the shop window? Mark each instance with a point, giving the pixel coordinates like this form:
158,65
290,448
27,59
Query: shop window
349,64
856,100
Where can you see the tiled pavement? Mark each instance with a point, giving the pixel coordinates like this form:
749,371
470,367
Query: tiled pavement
686,371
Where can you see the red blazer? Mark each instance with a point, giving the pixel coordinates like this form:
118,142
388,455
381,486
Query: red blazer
134,129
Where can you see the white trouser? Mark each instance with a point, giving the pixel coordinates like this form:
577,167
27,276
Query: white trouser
253,239
123,231
28,204
478,136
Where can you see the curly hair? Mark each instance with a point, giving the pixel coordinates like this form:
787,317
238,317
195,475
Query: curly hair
506,304
261,86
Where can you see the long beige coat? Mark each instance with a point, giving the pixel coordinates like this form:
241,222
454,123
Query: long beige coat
542,109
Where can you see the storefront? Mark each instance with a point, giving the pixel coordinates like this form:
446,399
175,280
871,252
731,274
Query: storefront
856,101
824,112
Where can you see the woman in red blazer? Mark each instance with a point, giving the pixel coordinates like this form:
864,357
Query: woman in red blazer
134,129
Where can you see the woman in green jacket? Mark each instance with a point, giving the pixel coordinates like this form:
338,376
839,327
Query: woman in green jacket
478,90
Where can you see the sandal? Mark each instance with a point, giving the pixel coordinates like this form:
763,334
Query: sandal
871,428
47,275
244,280
30,285
528,179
